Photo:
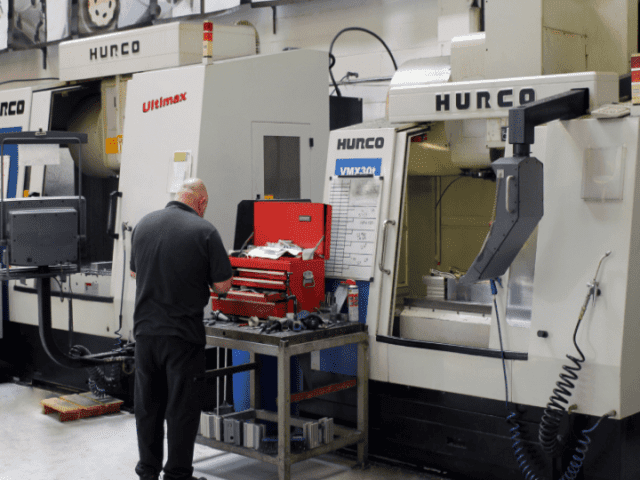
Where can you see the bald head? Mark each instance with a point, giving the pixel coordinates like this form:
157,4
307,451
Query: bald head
194,194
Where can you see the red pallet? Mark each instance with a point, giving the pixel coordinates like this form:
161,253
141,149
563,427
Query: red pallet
73,407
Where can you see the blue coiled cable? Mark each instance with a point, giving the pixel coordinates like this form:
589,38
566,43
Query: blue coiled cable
581,450
518,450
95,388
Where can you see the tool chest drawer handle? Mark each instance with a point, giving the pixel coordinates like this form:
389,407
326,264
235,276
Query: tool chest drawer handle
261,272
239,280
384,245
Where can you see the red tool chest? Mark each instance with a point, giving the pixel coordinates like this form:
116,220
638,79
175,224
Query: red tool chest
260,286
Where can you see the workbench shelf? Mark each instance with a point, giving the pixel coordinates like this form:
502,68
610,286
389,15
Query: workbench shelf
342,437
285,345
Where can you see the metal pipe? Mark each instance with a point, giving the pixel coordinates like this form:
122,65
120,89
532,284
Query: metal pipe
363,80
218,372
2,197
438,220
225,377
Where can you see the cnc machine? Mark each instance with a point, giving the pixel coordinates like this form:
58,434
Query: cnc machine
156,113
444,200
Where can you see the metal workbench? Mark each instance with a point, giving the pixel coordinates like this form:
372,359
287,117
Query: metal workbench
285,345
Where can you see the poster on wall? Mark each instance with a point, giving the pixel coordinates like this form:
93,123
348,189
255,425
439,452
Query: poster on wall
133,12
4,24
28,24
183,7
35,22
57,14
97,16
211,6
143,12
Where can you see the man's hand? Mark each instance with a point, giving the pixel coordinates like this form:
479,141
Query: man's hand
133,275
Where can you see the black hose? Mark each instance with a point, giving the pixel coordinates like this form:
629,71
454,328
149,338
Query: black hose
447,188
331,57
555,410
98,379
554,413
70,311
43,287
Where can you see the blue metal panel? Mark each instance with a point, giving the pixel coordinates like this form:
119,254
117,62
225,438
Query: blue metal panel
12,184
12,152
268,383
344,360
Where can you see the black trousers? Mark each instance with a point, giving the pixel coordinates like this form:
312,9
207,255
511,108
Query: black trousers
164,389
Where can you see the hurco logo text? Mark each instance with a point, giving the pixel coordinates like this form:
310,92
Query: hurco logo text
12,108
114,50
360,143
163,102
446,102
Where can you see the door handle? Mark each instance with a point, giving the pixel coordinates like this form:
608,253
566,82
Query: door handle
510,180
113,208
384,245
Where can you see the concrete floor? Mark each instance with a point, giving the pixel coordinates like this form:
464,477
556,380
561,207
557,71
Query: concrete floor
37,446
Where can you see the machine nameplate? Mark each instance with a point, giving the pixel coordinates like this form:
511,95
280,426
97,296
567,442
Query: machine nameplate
482,99
114,50
15,107
163,102
355,167
491,98
360,143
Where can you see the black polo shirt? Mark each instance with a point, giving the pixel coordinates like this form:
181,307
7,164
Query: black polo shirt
176,256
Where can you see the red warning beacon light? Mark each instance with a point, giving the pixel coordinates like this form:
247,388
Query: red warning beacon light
207,42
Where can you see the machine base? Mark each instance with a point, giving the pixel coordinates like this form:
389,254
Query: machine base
23,358
464,437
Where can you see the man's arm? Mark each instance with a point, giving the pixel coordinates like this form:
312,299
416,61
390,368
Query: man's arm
222,287
220,265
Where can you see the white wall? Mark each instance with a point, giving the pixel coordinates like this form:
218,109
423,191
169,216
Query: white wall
27,64
409,27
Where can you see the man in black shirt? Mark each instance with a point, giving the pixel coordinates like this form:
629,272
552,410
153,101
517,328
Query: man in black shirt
176,256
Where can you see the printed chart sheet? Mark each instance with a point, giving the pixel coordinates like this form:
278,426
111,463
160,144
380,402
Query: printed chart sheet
354,227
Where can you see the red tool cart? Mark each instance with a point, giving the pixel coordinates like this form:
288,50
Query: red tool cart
264,287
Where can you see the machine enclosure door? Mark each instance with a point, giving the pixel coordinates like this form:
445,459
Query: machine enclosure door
389,262
391,152
281,153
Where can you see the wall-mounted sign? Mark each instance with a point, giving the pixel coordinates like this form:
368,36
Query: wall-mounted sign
32,23
4,24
